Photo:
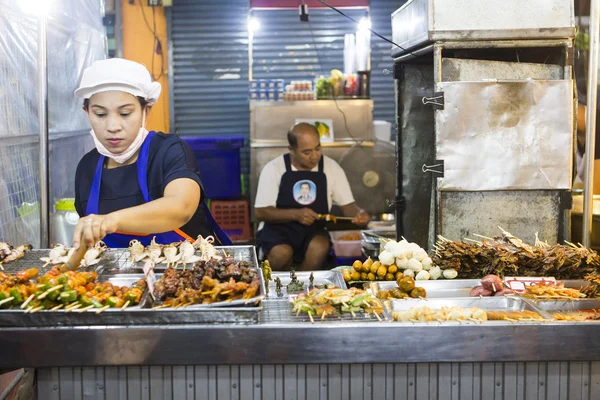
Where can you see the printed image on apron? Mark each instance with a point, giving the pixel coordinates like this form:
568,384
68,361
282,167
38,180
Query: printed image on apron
305,192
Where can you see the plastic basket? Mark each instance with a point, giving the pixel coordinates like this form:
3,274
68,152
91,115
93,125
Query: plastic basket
345,248
233,217
219,164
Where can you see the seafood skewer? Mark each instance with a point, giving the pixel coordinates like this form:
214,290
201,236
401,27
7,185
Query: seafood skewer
55,256
205,245
172,254
92,256
16,254
137,251
186,251
5,249
154,251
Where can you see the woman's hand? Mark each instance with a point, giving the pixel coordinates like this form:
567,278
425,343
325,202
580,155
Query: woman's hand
92,228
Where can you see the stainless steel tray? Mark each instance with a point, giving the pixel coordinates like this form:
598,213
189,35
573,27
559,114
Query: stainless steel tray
372,236
440,288
31,259
280,312
139,316
18,317
553,306
321,278
500,303
116,261
150,302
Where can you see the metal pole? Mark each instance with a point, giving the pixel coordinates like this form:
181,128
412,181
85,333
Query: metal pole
250,55
118,29
43,132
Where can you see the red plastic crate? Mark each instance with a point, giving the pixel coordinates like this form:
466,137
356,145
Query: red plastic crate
233,217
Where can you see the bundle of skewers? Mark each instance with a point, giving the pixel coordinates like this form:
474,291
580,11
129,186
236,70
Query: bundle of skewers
508,255
8,253
70,291
324,302
60,254
175,253
592,289
207,282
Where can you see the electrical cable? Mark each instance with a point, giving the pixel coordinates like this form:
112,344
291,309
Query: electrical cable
312,36
371,30
157,43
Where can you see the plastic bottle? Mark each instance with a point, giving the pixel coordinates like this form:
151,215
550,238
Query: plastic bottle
64,221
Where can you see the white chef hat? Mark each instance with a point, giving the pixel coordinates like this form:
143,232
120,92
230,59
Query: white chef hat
120,75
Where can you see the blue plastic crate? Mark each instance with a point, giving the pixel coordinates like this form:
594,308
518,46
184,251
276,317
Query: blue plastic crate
219,164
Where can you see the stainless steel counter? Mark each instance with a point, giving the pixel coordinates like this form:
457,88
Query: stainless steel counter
294,342
278,336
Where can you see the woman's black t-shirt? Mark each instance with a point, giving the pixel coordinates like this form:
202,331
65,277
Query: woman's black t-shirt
169,158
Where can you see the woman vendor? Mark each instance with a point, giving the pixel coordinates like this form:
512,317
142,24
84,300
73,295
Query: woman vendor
135,184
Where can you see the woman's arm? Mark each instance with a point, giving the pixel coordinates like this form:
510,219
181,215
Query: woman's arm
172,211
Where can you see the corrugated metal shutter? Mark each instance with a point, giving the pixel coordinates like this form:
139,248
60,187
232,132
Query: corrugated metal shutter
210,65
284,47
209,83
382,85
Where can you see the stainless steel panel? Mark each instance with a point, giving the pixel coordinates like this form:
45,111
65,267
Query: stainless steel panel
421,21
313,386
246,381
457,69
415,147
462,214
270,121
505,135
168,345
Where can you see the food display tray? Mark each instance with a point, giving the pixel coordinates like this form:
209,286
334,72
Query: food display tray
500,303
31,259
440,288
18,317
321,278
253,301
281,312
117,261
554,306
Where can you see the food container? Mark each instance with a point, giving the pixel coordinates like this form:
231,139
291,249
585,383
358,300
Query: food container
346,248
64,221
440,288
561,306
500,303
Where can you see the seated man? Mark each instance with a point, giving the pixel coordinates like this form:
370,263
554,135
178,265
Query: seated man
292,191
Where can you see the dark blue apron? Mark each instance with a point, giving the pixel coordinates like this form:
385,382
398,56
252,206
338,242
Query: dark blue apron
292,195
122,239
